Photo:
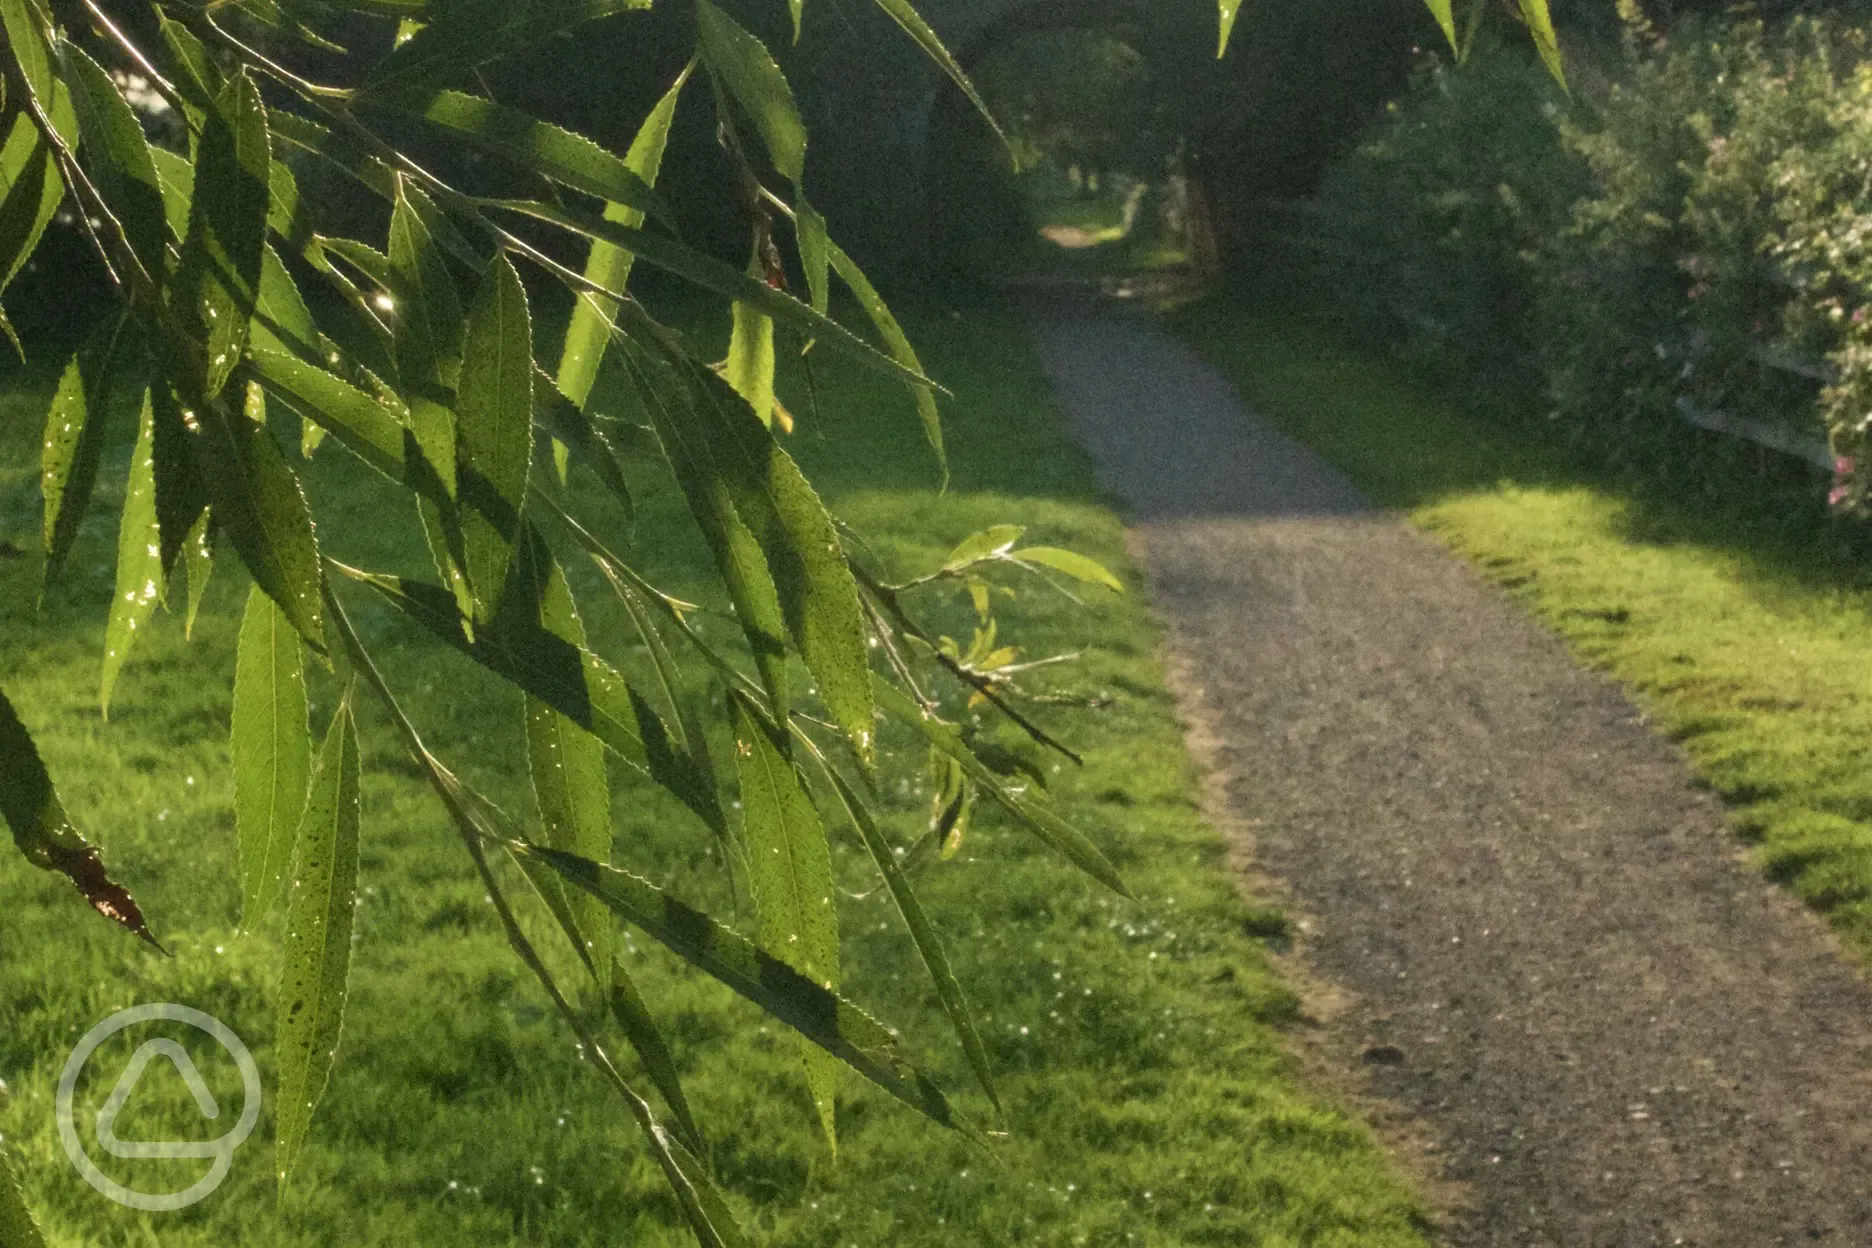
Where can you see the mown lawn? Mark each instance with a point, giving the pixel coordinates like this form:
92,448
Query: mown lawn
1738,620
1141,1047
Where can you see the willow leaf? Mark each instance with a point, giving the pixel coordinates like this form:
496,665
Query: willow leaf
33,191
181,496
571,680
198,567
1229,10
74,441
723,279
567,766
669,393
1445,16
609,265
31,188
219,281
139,559
898,344
319,911
1072,563
272,748
633,1016
745,70
750,366
121,166
1540,24
428,330
817,594
1053,831
789,873
923,935
259,505
17,1227
905,15
494,414
373,432
536,146
458,35
46,835
822,1016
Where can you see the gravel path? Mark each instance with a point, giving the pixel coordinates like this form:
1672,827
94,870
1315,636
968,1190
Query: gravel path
1611,1031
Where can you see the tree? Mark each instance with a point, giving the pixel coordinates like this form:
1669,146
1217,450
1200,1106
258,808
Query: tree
418,360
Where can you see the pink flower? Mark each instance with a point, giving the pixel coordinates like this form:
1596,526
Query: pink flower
1843,466
1837,495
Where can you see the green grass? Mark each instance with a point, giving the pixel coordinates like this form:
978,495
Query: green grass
1142,1048
1735,613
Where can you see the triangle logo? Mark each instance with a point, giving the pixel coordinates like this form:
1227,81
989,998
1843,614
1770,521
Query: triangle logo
184,1065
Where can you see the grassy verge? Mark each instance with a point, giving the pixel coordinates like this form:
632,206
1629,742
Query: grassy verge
1140,1046
1742,628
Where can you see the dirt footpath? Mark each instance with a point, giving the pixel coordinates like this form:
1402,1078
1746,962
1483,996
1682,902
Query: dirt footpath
1610,1029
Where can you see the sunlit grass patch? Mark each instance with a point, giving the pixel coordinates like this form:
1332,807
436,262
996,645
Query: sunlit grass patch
1139,1046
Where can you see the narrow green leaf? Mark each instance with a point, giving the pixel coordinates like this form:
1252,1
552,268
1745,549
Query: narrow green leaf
74,441
281,310
428,330
193,72
817,593
309,1008
258,504
992,542
1229,10
567,766
1071,563
371,431
119,157
33,190
458,35
789,873
46,835
898,344
633,1015
571,680
822,1016
181,497
703,1207
1445,16
609,265
572,429
745,70
272,748
1546,42
139,559
1055,832
198,566
750,367
536,146
17,1227
671,397
723,279
494,413
815,250
905,15
219,281
175,176
922,934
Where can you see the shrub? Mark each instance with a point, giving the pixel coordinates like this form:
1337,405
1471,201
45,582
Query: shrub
1429,225
1689,235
